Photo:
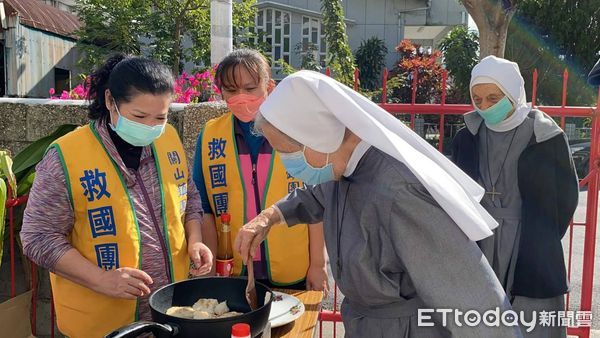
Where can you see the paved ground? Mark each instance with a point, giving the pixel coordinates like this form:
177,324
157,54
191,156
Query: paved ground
577,265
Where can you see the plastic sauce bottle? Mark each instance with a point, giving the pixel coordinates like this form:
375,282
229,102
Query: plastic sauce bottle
240,330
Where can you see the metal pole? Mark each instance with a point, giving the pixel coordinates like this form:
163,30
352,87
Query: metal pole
564,97
442,129
534,89
221,30
413,98
11,222
587,282
384,86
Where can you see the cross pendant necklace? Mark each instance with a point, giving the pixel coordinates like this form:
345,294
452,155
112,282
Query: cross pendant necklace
494,192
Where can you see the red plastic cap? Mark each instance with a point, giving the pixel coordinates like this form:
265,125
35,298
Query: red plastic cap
225,218
240,330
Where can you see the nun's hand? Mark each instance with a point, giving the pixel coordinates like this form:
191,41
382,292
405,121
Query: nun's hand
254,232
317,279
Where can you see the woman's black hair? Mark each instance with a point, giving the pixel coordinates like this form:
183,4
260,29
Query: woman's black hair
126,76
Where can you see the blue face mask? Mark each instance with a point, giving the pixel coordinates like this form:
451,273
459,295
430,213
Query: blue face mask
496,113
135,133
297,166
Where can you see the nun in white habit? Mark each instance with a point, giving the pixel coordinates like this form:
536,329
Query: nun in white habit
399,218
522,159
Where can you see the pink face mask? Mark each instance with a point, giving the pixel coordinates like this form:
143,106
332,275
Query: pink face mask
245,106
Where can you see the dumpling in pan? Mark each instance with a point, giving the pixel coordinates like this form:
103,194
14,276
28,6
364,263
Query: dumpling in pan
221,308
181,312
202,315
206,304
230,314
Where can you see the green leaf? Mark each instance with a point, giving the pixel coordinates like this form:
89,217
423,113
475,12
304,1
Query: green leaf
537,36
33,154
131,26
26,183
286,69
339,56
461,53
3,196
6,164
370,59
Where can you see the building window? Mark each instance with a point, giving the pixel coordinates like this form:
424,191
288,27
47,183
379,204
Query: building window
62,80
313,34
274,28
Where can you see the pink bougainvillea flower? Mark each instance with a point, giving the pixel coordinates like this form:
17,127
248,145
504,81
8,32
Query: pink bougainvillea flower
51,91
193,88
186,96
79,91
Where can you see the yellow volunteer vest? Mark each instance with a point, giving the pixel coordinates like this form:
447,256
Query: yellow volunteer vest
286,248
106,230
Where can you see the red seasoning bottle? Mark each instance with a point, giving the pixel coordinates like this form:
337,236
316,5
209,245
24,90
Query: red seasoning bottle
240,330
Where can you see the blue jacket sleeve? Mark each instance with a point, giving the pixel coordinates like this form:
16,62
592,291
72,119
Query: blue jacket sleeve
199,176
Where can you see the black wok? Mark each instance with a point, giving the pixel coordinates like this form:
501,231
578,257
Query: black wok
186,293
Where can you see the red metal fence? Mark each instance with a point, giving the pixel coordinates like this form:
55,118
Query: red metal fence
591,181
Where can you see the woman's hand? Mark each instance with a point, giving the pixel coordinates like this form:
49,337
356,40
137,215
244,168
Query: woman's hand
317,279
202,258
127,283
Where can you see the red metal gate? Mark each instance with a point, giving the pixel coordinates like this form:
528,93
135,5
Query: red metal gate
591,181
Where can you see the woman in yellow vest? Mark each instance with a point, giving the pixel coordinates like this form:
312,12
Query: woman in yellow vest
113,212
238,172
